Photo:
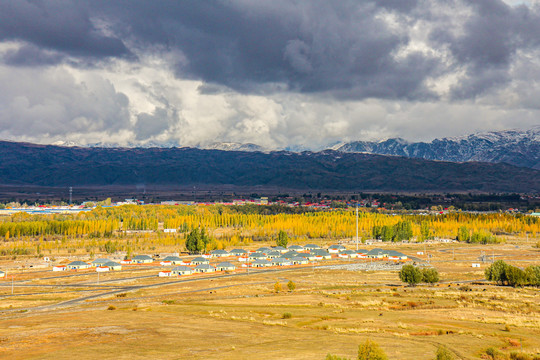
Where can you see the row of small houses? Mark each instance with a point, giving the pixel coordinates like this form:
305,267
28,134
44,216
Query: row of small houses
264,256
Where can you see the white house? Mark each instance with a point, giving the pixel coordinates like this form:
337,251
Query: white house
142,259
204,268
164,273
261,263
200,260
125,262
100,261
76,265
113,265
296,248
238,252
475,265
299,261
181,270
219,253
2,274
335,249
59,268
102,268
171,260
347,254
225,266
281,262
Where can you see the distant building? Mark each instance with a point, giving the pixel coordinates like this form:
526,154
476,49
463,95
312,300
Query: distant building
181,270
59,268
204,268
225,266
2,274
335,249
142,259
76,265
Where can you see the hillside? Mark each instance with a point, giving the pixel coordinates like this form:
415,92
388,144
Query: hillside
25,164
520,148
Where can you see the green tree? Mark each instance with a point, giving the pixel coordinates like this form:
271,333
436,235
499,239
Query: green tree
497,272
334,357
291,285
444,354
515,276
282,239
197,240
425,230
402,231
376,231
410,274
387,233
463,234
430,275
533,275
370,350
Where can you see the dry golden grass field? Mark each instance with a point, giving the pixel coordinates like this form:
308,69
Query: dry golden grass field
133,314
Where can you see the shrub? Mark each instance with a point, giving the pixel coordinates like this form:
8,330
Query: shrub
370,350
514,355
334,357
111,307
497,272
515,276
282,239
410,275
291,285
444,354
533,275
287,315
277,287
430,276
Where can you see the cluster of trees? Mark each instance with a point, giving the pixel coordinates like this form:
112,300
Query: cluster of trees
370,350
477,237
397,232
505,274
197,241
413,275
282,239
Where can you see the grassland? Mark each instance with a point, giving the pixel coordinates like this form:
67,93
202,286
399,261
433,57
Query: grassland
242,317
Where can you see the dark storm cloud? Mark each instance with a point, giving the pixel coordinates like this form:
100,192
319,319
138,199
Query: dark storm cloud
347,48
488,42
61,26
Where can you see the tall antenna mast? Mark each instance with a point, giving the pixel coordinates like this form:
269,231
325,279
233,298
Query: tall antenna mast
357,226
70,195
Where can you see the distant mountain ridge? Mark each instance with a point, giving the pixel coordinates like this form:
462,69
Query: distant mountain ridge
515,147
47,165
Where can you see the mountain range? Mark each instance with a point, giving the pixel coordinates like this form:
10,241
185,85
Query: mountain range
520,148
48,165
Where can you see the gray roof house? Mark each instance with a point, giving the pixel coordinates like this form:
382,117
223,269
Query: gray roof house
336,248
219,253
281,262
75,265
173,259
261,263
311,246
299,261
142,259
238,252
100,261
200,260
181,270
204,268
296,247
225,266
112,265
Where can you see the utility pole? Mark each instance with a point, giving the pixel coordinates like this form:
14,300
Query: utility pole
357,226
70,195
12,284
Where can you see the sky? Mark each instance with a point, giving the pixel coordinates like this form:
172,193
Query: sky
296,74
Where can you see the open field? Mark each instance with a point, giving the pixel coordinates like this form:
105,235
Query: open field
228,316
